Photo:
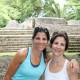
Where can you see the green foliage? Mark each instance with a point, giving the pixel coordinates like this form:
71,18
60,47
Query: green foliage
73,10
51,9
20,10
3,17
7,13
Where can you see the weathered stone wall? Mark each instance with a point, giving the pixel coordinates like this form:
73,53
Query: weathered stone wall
73,22
49,21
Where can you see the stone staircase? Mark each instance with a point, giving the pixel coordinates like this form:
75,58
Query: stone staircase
74,43
73,32
15,39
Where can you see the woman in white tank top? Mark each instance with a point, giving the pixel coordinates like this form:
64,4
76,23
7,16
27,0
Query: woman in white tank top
58,67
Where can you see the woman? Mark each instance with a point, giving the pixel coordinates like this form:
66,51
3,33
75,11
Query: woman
29,64
58,68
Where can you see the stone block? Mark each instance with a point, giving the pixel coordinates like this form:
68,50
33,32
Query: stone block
49,21
28,24
12,24
73,22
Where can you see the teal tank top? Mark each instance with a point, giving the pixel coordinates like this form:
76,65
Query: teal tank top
27,71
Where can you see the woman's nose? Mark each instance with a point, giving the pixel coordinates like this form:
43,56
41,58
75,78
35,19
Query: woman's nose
58,46
41,41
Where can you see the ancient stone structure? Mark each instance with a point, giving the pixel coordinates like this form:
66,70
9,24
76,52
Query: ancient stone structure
12,24
48,21
73,22
12,39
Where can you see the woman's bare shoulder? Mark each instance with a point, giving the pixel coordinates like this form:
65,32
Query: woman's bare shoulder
21,54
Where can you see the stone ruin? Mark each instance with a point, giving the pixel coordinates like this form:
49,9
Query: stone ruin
73,22
25,29
34,22
42,21
13,24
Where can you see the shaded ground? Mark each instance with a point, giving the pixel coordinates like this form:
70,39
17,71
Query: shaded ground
4,61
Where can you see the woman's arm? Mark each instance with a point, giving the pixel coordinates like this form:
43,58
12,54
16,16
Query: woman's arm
72,75
14,64
74,65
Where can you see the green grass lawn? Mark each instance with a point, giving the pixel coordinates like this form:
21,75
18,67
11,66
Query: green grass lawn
8,53
71,53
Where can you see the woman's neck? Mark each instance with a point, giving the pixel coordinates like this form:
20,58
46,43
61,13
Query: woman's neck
36,52
57,60
35,56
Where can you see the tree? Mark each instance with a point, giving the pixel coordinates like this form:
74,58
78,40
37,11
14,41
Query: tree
18,10
72,10
51,9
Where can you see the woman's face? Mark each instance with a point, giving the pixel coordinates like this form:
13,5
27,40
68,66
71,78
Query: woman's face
58,46
40,41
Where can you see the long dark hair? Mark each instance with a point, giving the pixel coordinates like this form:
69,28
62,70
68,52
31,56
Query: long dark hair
46,31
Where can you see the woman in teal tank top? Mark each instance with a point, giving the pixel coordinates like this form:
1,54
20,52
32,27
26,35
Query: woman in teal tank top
29,64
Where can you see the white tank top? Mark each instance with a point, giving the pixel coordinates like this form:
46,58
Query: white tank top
61,75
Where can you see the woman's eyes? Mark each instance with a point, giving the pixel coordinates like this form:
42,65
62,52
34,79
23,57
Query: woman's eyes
62,44
38,38
44,39
55,43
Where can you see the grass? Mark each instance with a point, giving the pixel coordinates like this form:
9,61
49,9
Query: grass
71,53
7,53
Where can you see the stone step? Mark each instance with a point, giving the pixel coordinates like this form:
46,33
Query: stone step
74,43
74,47
74,50
74,33
15,32
13,48
70,29
30,42
70,36
13,40
15,36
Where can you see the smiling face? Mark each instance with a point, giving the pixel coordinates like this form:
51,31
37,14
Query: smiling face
40,41
58,46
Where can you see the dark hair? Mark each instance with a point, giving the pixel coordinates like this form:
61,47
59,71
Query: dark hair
62,34
46,31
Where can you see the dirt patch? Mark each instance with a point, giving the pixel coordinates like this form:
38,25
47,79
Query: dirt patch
4,61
